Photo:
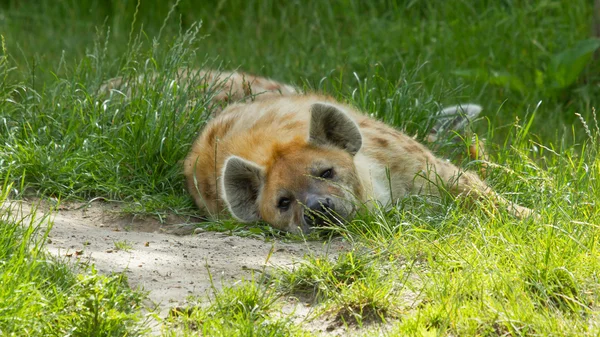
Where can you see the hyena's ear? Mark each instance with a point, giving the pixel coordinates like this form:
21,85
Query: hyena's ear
242,181
329,125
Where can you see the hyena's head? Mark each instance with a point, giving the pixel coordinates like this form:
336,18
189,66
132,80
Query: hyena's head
308,183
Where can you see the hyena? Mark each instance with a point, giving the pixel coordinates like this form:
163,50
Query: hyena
298,161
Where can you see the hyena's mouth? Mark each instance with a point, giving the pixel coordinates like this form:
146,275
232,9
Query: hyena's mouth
327,213
321,219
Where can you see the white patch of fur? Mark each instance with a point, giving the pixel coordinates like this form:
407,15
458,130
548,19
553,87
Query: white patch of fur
374,180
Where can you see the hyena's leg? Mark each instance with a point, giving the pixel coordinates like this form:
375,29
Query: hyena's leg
468,185
453,120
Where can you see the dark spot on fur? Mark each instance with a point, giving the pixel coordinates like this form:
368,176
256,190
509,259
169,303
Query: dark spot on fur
218,130
412,148
381,141
210,137
292,126
272,86
364,123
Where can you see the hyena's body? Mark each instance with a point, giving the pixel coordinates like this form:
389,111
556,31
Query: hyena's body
293,159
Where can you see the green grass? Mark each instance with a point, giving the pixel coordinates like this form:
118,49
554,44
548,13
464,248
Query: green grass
426,266
246,309
356,289
42,296
123,245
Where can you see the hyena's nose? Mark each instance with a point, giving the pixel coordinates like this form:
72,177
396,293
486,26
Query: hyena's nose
317,211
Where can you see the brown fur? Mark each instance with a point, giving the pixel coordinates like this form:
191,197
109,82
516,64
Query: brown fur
272,134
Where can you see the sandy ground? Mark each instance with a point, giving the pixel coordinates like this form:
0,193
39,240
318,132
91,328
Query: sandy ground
168,259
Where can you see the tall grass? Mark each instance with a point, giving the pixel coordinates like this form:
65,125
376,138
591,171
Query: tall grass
74,139
500,42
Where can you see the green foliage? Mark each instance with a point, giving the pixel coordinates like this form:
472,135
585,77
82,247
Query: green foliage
566,66
427,266
247,309
498,78
123,245
75,140
562,71
356,287
320,277
42,296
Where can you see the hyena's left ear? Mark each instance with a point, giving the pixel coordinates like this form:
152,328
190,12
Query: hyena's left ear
331,126
242,181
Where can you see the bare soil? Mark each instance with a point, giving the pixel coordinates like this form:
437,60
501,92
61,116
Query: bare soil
167,259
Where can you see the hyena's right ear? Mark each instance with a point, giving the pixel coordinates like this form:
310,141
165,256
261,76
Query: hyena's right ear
331,126
242,181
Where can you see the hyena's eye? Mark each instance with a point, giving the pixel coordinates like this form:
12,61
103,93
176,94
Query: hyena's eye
284,203
327,174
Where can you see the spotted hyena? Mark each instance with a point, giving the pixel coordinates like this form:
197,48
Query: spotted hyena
297,161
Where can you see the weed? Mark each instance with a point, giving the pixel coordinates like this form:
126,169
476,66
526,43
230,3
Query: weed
123,245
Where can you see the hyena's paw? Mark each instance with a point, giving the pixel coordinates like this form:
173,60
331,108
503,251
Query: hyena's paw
522,212
453,120
451,132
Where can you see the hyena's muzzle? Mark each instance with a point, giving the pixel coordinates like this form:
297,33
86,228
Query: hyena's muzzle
318,211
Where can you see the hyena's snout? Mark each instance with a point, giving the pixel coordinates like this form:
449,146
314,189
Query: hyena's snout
318,211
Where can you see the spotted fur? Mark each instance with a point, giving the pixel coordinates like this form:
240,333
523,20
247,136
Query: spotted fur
285,157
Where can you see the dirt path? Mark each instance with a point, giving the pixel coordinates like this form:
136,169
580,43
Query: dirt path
171,263
169,266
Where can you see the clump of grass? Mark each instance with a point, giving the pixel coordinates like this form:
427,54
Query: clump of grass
123,245
43,296
321,278
257,230
367,301
556,287
355,289
247,308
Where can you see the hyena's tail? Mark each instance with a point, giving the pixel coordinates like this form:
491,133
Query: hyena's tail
452,125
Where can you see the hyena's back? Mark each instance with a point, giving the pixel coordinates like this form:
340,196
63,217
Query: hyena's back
223,87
